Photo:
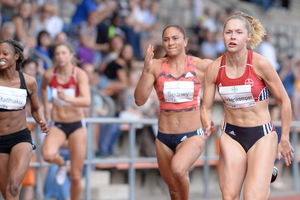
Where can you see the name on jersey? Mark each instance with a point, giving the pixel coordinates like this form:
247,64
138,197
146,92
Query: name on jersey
178,91
12,98
239,96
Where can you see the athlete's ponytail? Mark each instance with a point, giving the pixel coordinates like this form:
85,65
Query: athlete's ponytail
253,26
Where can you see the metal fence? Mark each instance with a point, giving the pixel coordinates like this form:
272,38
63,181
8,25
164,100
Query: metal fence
132,158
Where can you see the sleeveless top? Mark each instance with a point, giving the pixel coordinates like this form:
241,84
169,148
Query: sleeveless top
13,99
243,91
178,94
70,88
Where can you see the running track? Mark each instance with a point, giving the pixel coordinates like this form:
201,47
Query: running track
287,198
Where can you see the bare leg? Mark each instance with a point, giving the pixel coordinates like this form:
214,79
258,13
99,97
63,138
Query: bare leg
53,141
186,155
19,160
4,158
261,158
180,163
164,157
77,149
232,168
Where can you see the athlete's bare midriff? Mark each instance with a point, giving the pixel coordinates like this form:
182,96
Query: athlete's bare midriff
66,114
8,125
179,122
248,117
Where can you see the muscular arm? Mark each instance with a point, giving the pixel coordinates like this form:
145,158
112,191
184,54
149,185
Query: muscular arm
147,79
34,102
208,95
267,72
44,93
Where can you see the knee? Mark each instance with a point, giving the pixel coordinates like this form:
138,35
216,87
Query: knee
178,171
48,155
14,188
75,177
228,194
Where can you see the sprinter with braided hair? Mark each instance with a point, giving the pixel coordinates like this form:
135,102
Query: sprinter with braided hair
15,140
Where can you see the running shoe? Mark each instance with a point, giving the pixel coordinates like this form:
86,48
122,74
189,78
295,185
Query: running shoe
61,175
274,174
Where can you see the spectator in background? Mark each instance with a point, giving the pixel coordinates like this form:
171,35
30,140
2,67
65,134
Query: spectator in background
116,44
8,8
59,38
25,26
209,20
267,49
103,9
43,45
107,30
221,16
8,31
116,72
84,38
47,19
286,74
210,46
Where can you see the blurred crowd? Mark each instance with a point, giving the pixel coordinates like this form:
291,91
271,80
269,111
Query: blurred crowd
110,38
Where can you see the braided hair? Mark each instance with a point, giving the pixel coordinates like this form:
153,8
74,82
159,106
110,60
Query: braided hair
18,50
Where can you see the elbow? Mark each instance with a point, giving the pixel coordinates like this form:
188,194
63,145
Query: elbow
138,102
86,103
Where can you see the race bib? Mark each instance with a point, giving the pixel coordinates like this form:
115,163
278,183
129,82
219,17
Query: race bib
239,96
178,91
12,98
70,92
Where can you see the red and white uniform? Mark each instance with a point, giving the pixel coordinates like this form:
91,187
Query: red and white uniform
70,88
243,91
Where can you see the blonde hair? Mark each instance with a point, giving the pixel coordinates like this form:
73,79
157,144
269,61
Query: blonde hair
253,26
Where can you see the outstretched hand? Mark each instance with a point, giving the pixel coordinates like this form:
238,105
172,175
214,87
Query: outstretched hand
285,150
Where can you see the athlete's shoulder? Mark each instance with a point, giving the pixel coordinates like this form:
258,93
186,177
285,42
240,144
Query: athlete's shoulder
200,63
260,62
30,82
29,79
215,64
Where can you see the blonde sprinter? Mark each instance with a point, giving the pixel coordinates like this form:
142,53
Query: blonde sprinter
248,144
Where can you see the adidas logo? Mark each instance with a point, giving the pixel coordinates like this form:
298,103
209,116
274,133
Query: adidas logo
232,133
189,74
183,138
